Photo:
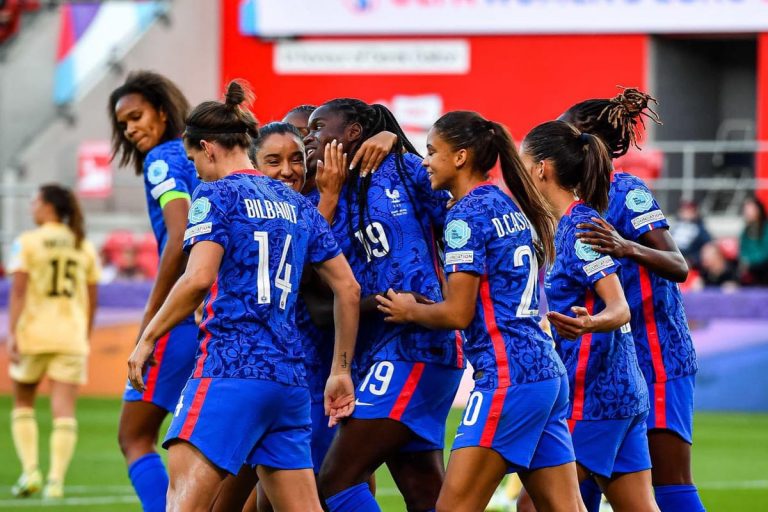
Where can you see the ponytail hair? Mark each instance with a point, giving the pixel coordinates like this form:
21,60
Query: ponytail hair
489,142
581,160
67,209
228,123
617,120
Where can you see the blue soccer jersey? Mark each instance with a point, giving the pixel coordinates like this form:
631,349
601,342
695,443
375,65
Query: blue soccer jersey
487,234
268,233
606,381
168,175
393,246
659,326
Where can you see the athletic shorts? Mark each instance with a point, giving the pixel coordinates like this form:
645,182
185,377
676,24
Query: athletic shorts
244,421
672,406
418,395
67,368
322,435
175,356
608,447
525,424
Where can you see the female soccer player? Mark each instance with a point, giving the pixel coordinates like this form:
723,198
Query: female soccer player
589,316
515,418
247,402
409,374
54,272
147,114
636,230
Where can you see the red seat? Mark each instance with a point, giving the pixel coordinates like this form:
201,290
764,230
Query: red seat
645,164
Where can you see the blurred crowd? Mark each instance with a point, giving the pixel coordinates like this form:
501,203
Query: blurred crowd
725,262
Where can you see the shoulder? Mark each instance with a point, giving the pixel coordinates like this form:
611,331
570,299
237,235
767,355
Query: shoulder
580,213
633,191
163,159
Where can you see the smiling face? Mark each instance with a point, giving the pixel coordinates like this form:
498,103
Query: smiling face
441,161
325,126
281,156
142,124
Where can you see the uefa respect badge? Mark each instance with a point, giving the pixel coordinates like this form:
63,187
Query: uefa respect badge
199,210
457,234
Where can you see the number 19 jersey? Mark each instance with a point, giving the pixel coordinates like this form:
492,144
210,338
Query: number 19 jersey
268,233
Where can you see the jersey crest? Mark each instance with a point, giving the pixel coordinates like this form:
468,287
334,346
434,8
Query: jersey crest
457,234
639,200
199,210
585,252
157,171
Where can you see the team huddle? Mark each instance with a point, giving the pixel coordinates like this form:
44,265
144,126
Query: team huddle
342,283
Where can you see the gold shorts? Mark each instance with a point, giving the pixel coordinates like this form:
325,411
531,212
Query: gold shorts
67,368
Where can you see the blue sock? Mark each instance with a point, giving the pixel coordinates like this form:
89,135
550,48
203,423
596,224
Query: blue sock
150,480
678,497
591,494
355,499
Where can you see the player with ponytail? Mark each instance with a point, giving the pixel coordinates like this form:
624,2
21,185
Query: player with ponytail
515,419
589,316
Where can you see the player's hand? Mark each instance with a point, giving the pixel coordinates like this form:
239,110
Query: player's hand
604,238
421,299
373,151
396,306
139,358
199,314
570,327
332,170
13,349
339,398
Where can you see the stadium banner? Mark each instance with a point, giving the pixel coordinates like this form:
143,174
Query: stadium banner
445,57
286,18
94,169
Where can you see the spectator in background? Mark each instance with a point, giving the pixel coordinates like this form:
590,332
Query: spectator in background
689,233
716,270
753,244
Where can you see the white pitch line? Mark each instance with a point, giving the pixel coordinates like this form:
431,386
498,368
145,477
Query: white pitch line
85,489
746,484
69,502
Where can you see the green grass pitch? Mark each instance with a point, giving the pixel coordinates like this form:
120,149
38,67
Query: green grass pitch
730,462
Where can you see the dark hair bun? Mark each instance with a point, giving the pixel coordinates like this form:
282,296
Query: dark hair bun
236,94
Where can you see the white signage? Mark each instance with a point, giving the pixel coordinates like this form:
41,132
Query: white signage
283,18
372,57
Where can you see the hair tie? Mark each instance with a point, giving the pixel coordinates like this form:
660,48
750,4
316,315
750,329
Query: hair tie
584,138
197,131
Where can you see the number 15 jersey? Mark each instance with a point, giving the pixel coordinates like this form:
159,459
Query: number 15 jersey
55,315
268,233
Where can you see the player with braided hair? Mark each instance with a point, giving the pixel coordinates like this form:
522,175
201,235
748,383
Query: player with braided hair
409,374
636,230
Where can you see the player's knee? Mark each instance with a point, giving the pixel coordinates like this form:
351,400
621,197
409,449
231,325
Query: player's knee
134,443
525,503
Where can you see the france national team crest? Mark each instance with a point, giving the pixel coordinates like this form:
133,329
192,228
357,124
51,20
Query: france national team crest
639,200
585,252
157,171
457,234
199,210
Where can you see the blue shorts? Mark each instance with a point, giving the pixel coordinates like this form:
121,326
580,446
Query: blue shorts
419,395
175,356
608,447
245,421
322,435
525,424
672,406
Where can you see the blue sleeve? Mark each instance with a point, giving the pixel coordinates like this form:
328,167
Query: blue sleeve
640,213
207,218
433,203
166,175
584,263
465,241
322,243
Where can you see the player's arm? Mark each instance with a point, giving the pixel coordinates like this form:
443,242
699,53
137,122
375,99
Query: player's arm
373,151
93,303
656,250
455,312
615,314
339,390
17,300
172,259
184,297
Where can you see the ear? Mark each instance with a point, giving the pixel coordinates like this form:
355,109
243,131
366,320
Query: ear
163,116
353,131
543,171
207,148
460,158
